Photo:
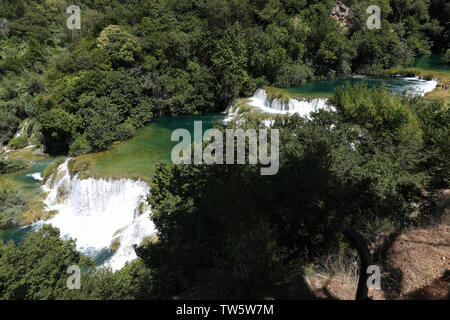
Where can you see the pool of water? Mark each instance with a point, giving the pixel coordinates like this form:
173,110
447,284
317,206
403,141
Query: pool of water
31,187
29,179
138,156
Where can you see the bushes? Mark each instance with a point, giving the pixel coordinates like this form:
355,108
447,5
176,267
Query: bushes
57,129
125,131
447,56
18,143
133,281
385,117
51,168
11,165
8,123
40,261
79,147
121,47
434,120
12,206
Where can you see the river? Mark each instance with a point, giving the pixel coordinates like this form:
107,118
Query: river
138,157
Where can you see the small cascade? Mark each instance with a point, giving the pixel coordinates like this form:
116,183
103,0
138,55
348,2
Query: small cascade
36,176
231,114
421,86
100,212
302,107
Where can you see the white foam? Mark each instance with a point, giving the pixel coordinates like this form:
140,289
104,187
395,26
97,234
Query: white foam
36,176
97,211
292,106
421,86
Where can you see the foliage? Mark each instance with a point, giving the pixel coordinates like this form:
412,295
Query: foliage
36,268
345,169
18,142
11,165
12,206
132,282
434,120
164,57
51,168
125,131
447,56
79,147
120,46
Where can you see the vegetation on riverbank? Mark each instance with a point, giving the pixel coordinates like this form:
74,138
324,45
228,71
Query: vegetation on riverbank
224,232
363,165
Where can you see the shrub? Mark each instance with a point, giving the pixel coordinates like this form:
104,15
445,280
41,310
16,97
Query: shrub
125,131
18,143
79,147
10,165
12,205
447,56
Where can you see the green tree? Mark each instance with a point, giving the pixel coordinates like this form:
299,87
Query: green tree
230,62
57,127
122,47
36,269
101,123
12,202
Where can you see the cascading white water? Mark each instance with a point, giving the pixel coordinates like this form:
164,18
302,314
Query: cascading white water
97,212
420,86
232,113
36,176
302,107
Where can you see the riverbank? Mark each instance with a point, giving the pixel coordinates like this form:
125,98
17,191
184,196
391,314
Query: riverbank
438,94
27,183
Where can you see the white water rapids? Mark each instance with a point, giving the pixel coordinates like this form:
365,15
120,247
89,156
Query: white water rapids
97,212
304,107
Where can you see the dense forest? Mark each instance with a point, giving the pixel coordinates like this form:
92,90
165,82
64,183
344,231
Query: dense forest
135,60
223,231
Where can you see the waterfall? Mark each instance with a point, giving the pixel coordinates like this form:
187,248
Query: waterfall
99,212
302,107
421,86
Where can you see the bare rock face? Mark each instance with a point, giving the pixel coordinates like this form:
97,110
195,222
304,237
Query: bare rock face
340,13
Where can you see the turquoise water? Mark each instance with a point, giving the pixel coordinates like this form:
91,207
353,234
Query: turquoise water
28,183
326,87
31,187
15,234
138,156
394,84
